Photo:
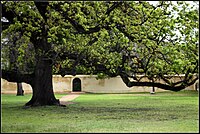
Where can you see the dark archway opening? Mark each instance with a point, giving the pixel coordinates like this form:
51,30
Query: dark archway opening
76,85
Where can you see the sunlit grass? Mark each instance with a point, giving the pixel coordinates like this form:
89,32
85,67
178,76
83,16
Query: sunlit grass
127,112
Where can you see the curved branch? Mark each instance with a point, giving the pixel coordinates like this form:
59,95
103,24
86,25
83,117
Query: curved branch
97,28
14,76
155,84
42,8
115,5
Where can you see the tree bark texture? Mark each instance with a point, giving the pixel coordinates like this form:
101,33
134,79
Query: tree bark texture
42,85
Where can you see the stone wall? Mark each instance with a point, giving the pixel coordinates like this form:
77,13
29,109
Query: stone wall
88,84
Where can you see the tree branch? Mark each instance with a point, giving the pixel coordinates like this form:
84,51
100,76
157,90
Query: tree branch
155,84
115,5
42,8
14,76
97,28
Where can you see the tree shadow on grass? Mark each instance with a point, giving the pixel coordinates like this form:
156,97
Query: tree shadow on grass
114,112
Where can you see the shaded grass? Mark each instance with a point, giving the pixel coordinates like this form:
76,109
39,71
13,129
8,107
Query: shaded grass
127,112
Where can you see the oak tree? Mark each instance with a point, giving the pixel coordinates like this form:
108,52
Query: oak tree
109,39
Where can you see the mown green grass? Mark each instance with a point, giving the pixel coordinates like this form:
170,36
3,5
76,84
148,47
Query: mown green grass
128,112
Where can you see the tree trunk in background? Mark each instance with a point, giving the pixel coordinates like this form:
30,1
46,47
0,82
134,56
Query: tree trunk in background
20,91
153,88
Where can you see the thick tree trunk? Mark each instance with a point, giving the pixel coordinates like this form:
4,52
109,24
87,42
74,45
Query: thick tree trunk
42,85
40,81
20,91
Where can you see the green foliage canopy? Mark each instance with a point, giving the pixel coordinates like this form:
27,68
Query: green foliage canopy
110,39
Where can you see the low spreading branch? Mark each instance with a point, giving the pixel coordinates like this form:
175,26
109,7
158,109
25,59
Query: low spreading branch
15,76
183,85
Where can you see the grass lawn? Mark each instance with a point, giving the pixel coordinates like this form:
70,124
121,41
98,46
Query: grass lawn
128,112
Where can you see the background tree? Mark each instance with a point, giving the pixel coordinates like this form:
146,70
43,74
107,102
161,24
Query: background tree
107,39
10,61
14,51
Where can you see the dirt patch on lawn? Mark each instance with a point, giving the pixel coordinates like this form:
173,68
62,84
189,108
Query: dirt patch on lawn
66,100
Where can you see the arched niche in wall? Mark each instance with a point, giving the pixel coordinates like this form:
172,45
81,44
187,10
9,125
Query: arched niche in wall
76,85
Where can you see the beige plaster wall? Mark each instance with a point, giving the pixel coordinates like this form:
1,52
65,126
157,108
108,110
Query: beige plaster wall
11,87
88,84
